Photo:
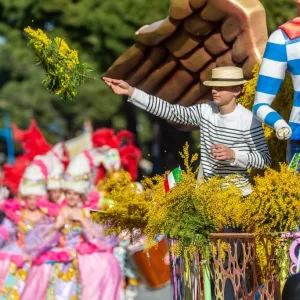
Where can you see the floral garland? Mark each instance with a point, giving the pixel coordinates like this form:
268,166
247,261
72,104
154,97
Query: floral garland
273,206
188,213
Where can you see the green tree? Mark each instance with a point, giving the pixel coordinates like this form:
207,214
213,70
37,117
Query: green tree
279,12
100,30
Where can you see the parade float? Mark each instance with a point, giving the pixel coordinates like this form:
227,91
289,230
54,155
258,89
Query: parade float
193,217
171,59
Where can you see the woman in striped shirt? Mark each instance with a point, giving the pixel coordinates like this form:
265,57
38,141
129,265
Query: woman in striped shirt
231,139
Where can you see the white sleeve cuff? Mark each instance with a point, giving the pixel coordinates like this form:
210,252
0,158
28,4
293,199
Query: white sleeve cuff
131,98
233,161
280,124
240,160
139,98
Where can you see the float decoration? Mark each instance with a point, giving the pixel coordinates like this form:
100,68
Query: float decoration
189,212
172,57
283,104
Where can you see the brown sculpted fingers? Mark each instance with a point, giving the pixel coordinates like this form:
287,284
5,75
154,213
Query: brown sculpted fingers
172,57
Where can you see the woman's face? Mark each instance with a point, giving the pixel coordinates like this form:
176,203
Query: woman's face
73,198
30,202
54,195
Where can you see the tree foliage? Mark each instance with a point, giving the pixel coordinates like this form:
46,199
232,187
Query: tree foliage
279,12
100,30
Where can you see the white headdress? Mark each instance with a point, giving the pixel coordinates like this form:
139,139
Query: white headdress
33,182
52,166
78,174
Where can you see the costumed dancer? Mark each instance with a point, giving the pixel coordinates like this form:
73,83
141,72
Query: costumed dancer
21,217
58,161
110,153
33,144
120,154
74,259
52,165
282,54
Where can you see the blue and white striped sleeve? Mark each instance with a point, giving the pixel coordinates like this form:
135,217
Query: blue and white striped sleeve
270,79
190,115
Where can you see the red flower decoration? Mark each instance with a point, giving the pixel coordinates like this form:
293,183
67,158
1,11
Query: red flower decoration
104,137
130,158
125,137
33,144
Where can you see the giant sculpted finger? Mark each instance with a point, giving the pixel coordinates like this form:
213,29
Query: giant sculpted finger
172,57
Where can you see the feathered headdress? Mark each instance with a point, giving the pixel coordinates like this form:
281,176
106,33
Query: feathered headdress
32,140
13,173
125,137
130,158
105,137
130,155
33,143
61,152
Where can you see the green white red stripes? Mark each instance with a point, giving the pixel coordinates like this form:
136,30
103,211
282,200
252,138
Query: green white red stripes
295,163
173,178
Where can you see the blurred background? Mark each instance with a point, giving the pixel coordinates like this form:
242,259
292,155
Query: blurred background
101,30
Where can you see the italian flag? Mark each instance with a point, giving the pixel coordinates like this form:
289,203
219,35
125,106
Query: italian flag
172,179
295,162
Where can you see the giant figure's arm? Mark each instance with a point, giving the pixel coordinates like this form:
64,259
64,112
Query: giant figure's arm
271,77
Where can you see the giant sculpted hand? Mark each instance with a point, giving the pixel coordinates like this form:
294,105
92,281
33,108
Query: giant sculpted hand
283,133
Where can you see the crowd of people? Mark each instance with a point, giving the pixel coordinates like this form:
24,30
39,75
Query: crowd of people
49,247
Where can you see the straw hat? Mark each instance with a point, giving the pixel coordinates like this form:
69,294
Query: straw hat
226,76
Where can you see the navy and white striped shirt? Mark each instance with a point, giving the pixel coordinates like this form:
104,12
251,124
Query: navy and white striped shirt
238,130
281,55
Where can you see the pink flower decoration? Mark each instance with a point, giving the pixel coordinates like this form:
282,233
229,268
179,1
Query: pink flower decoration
12,208
3,233
12,204
3,255
86,248
63,203
63,257
92,200
57,256
93,196
42,199
16,258
51,209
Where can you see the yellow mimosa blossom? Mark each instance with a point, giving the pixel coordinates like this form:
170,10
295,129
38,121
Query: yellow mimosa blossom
273,206
64,71
38,35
